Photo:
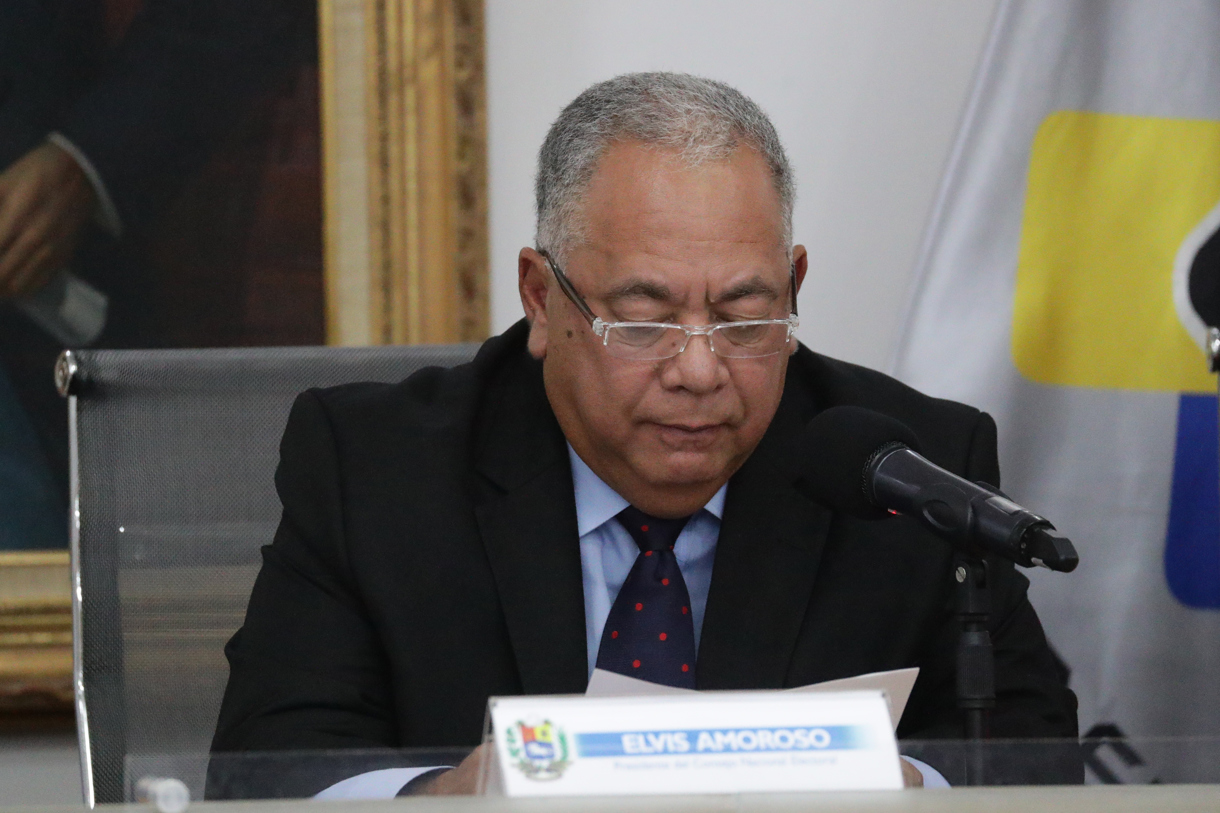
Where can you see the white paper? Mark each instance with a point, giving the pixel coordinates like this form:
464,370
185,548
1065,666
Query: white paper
896,684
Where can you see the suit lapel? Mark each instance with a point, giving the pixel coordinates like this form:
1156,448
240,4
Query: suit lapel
528,524
766,559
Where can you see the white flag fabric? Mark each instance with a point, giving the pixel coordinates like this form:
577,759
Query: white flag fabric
1052,291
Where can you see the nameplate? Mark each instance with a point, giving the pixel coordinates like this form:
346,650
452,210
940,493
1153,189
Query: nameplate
710,742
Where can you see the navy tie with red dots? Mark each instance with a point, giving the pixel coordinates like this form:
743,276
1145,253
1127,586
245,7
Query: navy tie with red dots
650,633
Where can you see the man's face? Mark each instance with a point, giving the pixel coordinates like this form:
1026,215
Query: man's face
665,242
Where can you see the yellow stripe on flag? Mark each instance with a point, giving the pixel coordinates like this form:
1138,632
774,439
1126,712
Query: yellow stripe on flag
1110,200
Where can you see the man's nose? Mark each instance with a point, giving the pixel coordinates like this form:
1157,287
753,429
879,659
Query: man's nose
696,368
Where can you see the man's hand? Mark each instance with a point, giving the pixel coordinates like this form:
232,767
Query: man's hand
911,777
45,199
462,780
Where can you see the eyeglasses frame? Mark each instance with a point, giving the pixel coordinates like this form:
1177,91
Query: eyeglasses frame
601,328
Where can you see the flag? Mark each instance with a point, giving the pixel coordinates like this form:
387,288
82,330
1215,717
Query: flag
1058,289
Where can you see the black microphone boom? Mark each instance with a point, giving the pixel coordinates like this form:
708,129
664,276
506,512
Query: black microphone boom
867,464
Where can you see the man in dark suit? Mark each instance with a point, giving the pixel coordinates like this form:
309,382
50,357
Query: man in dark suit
432,554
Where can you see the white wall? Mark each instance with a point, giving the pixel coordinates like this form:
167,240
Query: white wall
866,95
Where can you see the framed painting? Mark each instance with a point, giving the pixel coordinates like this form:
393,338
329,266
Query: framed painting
405,171
341,197
35,641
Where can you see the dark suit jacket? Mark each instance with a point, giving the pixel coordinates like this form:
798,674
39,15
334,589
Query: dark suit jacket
428,558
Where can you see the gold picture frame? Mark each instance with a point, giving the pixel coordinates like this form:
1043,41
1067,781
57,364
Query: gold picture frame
403,118
35,640
404,171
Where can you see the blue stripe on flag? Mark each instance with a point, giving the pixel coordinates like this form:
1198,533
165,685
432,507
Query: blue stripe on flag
1192,541
725,740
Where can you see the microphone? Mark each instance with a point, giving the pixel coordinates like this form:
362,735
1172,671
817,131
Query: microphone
868,465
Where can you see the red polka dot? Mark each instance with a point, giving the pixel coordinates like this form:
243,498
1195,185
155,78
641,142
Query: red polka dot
685,668
671,547
685,610
644,528
636,664
639,606
648,553
614,634
665,582
663,636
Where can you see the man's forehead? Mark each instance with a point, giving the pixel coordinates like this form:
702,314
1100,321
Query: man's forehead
648,276
640,192
619,261
657,287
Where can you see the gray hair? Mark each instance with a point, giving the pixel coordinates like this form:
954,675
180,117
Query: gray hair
703,119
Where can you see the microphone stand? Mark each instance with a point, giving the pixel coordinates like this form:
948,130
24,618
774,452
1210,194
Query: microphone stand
975,658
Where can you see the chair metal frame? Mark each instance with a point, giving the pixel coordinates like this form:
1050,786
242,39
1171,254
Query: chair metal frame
82,374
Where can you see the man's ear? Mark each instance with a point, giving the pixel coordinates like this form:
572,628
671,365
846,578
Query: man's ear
534,282
800,260
800,264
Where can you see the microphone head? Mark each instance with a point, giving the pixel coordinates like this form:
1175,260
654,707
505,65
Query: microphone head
836,448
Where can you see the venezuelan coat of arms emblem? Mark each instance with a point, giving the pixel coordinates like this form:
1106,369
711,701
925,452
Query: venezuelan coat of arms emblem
538,751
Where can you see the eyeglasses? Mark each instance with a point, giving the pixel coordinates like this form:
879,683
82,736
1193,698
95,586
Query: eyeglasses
656,341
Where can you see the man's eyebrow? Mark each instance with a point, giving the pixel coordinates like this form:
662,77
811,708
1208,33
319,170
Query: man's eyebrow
639,288
756,286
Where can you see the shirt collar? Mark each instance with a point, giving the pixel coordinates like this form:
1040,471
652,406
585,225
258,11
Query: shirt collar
597,503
